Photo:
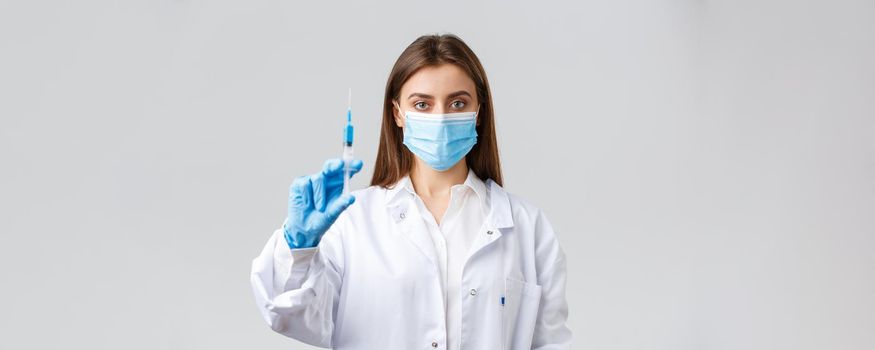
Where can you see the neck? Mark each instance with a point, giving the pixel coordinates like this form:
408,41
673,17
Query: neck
430,183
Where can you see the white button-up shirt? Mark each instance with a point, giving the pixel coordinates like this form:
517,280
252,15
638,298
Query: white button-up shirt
453,238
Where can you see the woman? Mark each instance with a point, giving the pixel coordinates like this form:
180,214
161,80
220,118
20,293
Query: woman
434,254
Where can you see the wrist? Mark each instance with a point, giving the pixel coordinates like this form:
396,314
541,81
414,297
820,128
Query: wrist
296,239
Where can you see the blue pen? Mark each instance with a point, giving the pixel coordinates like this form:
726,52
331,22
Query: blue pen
501,300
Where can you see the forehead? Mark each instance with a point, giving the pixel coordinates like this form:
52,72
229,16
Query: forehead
439,81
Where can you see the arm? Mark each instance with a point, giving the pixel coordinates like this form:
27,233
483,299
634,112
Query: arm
550,329
297,290
296,278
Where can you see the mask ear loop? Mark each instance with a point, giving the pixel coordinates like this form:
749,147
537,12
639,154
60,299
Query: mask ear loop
400,112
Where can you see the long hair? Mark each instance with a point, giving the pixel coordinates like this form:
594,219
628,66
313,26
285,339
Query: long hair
395,161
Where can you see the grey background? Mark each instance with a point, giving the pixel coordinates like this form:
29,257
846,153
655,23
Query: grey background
708,165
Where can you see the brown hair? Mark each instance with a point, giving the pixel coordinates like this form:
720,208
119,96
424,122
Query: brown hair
394,161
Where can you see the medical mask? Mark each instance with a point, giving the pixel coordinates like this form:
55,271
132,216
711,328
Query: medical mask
441,140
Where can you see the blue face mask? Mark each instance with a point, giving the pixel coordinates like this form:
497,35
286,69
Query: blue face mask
440,140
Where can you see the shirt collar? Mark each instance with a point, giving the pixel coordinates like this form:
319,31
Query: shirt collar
497,200
472,181
402,184
475,183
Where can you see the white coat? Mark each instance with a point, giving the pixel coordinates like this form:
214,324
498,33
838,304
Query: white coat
374,283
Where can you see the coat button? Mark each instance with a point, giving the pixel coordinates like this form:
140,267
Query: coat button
489,232
473,291
434,344
401,215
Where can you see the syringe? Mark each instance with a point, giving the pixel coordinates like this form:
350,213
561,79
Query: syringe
347,145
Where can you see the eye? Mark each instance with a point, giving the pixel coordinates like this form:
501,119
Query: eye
420,105
458,104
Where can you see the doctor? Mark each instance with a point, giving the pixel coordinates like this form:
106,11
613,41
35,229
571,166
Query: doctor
435,254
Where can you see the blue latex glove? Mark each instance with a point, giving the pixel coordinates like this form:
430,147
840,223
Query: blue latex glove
315,202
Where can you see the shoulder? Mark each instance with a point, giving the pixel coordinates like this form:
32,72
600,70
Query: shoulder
369,194
532,227
525,213
522,207
359,216
367,200
529,219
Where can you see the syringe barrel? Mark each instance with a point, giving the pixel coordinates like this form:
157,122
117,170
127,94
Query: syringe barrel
347,154
347,163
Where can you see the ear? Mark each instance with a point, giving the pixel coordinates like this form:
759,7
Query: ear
396,112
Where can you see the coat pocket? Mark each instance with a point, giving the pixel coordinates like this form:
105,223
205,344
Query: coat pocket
519,313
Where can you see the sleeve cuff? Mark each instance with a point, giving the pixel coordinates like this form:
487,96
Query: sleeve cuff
291,265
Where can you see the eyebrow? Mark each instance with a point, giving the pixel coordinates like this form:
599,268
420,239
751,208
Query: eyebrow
426,96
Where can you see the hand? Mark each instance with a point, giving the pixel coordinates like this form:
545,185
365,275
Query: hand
315,202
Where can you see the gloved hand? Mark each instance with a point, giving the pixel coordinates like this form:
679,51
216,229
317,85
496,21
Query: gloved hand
315,202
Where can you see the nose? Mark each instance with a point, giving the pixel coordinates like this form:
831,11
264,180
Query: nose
440,109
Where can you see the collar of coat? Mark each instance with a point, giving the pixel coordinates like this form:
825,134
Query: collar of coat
500,215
